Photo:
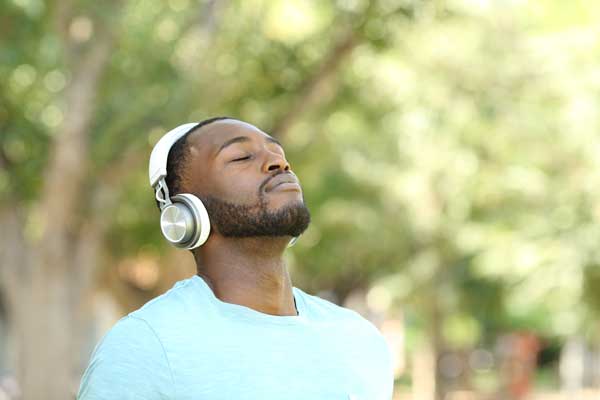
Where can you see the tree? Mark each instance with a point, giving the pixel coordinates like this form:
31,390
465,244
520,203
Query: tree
87,84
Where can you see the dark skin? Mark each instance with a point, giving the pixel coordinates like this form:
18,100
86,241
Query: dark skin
245,271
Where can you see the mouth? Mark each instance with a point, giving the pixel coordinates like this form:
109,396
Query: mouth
284,186
283,182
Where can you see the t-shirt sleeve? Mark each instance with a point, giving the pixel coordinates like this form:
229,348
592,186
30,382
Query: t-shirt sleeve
129,363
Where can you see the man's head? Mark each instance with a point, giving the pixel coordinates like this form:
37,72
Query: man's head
242,176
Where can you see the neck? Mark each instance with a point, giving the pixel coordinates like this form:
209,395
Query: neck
249,272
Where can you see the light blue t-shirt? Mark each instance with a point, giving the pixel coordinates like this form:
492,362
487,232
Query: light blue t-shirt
188,344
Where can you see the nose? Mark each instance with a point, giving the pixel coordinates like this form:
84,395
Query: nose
274,162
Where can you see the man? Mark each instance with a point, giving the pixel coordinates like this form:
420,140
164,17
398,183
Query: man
238,329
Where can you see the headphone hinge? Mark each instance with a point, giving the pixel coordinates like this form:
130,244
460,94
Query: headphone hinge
162,194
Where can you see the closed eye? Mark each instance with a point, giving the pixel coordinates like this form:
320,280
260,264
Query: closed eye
242,158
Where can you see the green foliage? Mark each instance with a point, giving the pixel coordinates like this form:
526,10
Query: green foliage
451,158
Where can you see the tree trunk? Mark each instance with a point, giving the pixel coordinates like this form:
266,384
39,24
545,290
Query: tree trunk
47,270
423,372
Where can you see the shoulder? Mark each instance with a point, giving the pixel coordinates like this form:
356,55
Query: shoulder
167,308
319,307
129,359
322,308
326,310
129,333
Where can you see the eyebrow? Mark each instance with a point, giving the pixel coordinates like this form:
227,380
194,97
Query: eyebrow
240,139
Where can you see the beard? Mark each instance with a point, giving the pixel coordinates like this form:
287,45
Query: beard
238,220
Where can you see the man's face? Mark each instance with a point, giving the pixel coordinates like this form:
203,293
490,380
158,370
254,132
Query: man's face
242,176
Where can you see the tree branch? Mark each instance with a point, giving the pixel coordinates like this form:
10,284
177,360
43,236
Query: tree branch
13,260
61,11
205,21
310,91
312,87
5,162
63,185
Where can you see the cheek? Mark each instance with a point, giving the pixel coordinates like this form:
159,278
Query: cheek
237,190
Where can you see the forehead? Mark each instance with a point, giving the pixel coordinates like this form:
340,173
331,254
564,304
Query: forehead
212,136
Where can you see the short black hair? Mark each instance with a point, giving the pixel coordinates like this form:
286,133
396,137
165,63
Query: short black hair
177,159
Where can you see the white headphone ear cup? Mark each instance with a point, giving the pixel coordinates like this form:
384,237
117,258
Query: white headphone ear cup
197,231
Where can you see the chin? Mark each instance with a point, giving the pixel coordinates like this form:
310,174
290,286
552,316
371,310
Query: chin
293,218
278,206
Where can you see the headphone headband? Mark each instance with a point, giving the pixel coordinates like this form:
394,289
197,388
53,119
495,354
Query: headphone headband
160,152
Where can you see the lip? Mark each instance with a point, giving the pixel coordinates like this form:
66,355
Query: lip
284,181
286,186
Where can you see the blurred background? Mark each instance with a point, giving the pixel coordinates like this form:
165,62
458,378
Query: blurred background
448,150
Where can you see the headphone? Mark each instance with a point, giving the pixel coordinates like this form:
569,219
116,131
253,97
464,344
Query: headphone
184,220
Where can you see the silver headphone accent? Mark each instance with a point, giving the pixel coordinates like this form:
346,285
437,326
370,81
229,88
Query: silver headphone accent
184,220
293,241
176,223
